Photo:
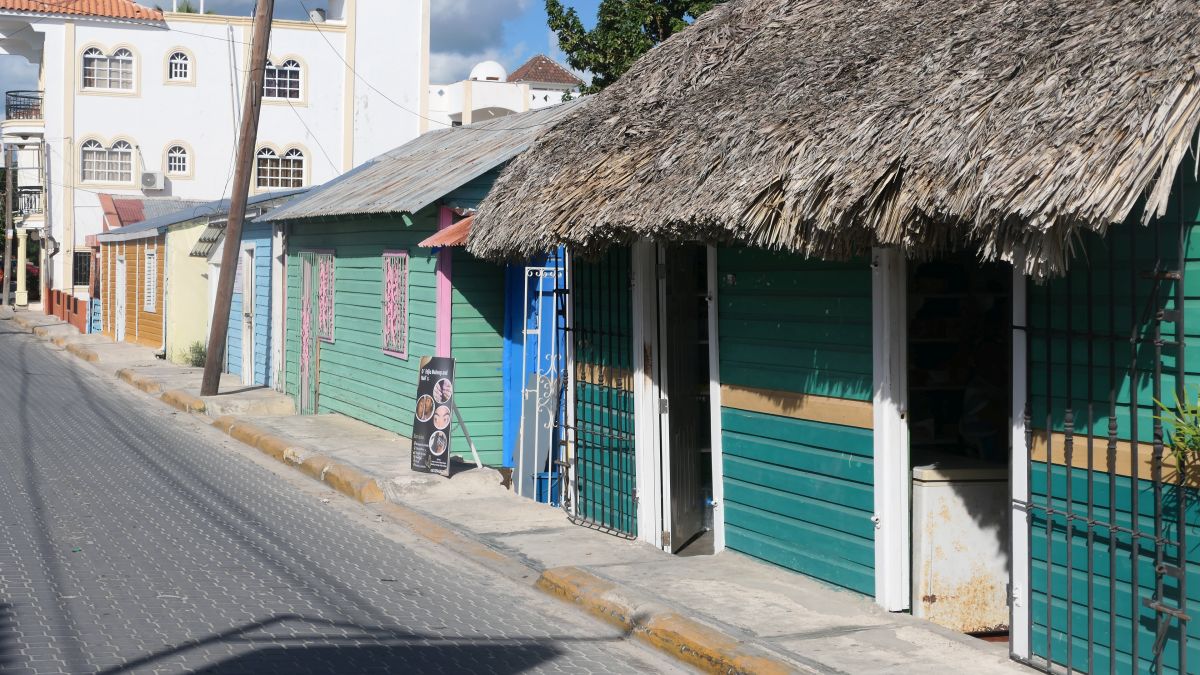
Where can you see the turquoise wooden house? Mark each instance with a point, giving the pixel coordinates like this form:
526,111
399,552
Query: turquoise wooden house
913,328
377,279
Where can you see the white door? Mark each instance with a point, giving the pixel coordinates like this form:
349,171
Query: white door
247,265
119,301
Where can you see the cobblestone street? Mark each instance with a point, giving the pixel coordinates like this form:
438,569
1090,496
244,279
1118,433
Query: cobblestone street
135,539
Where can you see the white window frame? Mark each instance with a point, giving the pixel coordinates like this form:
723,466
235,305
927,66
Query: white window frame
179,67
109,72
114,164
273,171
179,163
284,82
150,283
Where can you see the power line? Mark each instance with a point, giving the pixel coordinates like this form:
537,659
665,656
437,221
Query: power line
393,102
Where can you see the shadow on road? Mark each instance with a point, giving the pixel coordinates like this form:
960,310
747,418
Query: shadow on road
292,643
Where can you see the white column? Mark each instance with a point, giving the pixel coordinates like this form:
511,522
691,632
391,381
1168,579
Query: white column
1019,479
22,295
893,512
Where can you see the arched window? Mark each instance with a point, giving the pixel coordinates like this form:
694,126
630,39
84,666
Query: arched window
107,165
108,72
282,81
280,172
177,160
179,68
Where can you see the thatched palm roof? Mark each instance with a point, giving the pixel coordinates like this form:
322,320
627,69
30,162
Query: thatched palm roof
828,126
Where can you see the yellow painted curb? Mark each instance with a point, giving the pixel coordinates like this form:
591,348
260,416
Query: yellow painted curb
273,446
42,329
582,588
84,353
687,640
182,400
341,477
146,384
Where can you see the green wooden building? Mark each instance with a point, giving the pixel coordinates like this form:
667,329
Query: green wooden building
377,279
913,327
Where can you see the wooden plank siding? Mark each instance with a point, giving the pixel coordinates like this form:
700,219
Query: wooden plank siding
258,234
798,492
357,378
142,327
477,344
1058,367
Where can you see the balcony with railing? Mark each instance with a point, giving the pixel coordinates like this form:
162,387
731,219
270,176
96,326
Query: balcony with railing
29,201
22,115
23,105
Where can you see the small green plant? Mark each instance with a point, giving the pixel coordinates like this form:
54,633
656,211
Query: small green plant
1183,424
196,353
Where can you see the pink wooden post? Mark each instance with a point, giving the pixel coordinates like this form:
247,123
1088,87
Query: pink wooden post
445,297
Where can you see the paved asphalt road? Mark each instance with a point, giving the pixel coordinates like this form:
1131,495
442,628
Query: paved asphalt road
135,539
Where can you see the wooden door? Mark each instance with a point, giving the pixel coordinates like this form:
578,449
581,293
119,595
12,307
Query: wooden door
308,332
246,263
685,361
119,301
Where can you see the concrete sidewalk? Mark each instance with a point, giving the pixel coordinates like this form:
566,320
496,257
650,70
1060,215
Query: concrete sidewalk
722,613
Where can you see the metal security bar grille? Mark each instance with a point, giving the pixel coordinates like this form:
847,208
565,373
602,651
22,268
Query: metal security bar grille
599,434
1110,504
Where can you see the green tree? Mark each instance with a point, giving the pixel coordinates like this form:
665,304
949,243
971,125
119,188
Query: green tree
625,29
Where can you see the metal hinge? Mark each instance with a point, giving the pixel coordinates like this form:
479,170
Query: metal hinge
635,496
660,269
666,539
664,406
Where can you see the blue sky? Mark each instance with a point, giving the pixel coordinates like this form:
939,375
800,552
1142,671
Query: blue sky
463,32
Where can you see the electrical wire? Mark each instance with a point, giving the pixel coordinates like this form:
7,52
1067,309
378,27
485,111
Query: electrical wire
393,102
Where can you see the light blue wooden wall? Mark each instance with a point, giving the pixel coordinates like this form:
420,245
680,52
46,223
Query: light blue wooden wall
258,234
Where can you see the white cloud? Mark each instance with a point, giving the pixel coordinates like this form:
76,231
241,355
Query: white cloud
465,32
17,73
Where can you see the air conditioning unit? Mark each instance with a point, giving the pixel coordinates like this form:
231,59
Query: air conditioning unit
153,180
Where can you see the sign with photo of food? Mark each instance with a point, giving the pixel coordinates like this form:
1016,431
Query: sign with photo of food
432,414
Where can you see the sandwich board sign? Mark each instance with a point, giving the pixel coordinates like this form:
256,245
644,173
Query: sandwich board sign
432,415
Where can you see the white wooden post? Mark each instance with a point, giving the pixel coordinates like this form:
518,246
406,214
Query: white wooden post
1019,478
714,398
890,405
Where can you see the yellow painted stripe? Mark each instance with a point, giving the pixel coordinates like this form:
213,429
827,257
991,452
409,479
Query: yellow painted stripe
799,406
1121,461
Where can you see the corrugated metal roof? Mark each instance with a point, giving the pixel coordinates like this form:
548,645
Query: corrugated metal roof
418,173
155,226
455,235
208,240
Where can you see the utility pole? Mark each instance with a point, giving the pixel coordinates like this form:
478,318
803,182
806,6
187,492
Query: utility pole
237,201
8,221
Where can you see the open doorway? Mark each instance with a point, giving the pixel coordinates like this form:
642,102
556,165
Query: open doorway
685,432
959,404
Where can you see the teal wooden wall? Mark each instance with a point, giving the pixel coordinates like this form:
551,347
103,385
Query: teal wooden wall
1060,379
477,343
798,493
606,464
356,378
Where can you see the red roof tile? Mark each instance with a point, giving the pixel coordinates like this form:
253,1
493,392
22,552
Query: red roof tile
115,9
542,68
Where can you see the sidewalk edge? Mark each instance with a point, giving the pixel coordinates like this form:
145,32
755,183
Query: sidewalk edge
688,640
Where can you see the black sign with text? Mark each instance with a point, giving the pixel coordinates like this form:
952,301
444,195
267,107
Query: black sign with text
431,421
